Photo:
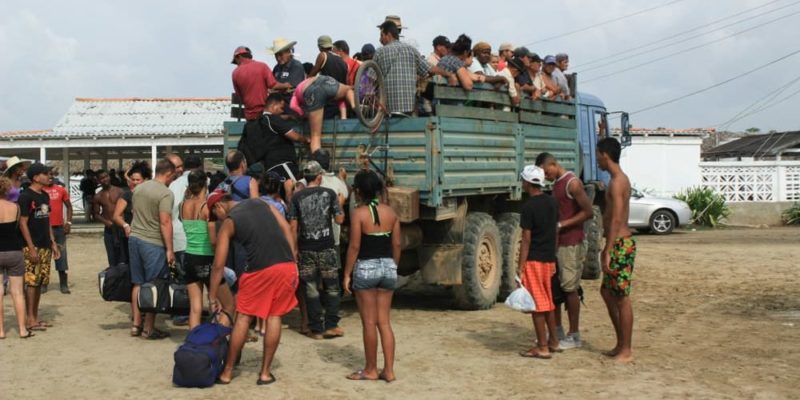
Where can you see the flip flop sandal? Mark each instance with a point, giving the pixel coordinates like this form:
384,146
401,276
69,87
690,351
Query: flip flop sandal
155,335
36,328
261,382
360,376
44,324
528,354
136,331
29,335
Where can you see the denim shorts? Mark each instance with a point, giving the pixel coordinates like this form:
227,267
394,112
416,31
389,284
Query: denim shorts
376,273
148,261
319,93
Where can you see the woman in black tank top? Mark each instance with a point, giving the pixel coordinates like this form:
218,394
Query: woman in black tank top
371,267
12,263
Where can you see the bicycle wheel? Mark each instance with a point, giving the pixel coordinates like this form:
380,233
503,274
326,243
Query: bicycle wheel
370,95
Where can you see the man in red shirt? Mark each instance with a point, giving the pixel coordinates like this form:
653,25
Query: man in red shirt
59,198
342,49
574,208
252,81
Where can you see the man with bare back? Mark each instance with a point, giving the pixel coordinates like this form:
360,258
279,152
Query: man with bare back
620,250
103,205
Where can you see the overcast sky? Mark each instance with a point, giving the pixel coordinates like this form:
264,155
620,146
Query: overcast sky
54,51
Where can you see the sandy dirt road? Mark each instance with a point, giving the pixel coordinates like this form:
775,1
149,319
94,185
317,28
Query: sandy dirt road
717,316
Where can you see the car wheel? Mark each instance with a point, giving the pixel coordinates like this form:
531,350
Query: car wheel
662,222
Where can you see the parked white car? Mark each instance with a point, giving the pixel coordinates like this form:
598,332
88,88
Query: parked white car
659,215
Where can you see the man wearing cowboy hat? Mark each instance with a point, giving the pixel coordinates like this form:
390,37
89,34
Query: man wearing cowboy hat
396,20
287,70
15,169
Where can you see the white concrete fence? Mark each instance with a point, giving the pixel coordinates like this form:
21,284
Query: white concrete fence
742,181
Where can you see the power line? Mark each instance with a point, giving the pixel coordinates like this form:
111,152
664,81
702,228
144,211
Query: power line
705,89
763,107
754,106
619,71
570,33
686,39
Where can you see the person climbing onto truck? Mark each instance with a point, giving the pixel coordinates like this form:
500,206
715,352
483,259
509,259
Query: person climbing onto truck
537,259
309,101
620,251
574,208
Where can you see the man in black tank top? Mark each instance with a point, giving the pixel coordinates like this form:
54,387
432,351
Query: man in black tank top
267,286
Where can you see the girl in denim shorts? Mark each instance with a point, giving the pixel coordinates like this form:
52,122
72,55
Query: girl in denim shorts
371,272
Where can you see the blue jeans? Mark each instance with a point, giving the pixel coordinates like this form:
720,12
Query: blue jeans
61,241
148,261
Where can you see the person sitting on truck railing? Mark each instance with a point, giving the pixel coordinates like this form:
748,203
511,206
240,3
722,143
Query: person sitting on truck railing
555,83
513,68
401,64
309,100
456,61
482,67
441,47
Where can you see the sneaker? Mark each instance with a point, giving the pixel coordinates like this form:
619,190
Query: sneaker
572,341
65,289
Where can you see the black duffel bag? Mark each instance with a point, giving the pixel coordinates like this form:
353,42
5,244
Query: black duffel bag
163,296
114,283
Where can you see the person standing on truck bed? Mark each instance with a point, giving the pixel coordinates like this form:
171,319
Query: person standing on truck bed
537,259
252,81
482,66
401,64
457,61
555,80
620,251
574,208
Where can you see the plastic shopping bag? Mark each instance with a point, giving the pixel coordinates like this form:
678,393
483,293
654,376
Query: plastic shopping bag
520,299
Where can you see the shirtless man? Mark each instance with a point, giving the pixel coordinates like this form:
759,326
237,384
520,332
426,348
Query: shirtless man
103,205
620,250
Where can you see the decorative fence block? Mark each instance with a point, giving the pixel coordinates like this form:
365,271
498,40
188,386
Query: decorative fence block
753,180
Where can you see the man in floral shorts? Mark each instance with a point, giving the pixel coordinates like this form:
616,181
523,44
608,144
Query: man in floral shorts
620,251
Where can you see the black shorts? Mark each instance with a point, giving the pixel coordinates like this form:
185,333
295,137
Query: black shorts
198,268
286,169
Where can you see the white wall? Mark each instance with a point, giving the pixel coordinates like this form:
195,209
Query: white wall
661,164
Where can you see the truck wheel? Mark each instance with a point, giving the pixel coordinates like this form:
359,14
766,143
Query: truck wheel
482,263
594,245
511,235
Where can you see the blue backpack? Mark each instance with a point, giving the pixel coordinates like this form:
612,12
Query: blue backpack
200,359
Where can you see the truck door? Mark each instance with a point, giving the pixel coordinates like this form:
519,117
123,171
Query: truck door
594,126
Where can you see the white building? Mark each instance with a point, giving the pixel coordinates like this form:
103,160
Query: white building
664,161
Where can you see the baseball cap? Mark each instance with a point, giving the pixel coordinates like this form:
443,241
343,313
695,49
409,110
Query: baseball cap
212,201
506,46
561,57
522,52
36,169
325,42
441,41
368,49
313,168
535,57
533,175
239,51
550,60
255,170
516,63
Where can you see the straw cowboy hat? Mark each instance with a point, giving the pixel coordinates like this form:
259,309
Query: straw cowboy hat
396,20
13,162
279,45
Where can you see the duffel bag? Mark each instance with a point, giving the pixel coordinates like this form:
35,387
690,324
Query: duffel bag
114,283
200,359
162,296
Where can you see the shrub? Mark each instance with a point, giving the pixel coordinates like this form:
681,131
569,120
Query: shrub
708,207
791,216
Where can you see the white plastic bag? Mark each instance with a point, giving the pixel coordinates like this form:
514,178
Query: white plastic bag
520,299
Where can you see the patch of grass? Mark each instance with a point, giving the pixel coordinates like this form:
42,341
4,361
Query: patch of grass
791,216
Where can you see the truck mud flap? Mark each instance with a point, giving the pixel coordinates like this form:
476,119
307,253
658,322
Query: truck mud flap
441,263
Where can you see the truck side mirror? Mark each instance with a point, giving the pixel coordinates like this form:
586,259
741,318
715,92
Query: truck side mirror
625,128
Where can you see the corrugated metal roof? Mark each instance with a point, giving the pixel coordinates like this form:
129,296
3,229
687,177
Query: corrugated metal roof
25,134
669,132
769,144
141,117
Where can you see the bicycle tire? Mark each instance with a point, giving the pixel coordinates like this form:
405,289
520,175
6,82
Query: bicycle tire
370,94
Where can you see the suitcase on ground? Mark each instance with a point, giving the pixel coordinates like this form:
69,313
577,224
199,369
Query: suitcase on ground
200,359
114,283
162,296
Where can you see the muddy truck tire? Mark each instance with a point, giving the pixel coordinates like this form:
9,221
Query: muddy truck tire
482,263
594,245
511,236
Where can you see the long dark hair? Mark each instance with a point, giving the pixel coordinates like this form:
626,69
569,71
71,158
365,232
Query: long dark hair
197,182
368,185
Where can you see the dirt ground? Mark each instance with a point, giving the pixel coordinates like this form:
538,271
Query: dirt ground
717,316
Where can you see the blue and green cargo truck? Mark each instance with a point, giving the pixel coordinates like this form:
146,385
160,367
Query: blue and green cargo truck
455,179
